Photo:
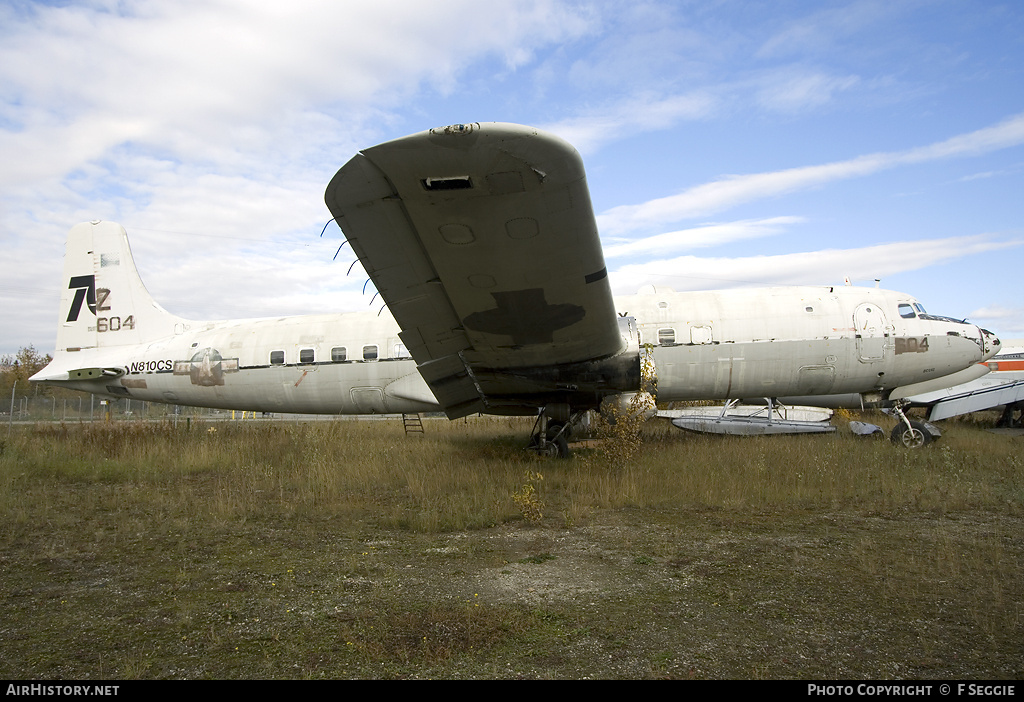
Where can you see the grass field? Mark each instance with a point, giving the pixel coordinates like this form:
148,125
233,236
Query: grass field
346,549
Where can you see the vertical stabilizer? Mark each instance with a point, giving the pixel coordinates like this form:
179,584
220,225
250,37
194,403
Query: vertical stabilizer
103,301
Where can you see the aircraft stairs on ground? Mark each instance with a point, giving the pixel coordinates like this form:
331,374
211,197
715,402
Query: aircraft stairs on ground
413,423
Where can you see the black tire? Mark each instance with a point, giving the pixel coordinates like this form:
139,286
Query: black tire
554,448
555,428
917,436
561,445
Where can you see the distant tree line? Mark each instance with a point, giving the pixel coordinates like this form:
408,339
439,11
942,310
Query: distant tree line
40,401
21,366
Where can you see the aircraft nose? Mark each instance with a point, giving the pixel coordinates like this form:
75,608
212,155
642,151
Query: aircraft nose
990,344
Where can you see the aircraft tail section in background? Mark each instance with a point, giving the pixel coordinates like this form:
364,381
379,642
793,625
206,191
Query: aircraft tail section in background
104,302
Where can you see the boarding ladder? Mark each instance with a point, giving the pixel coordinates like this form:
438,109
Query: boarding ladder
413,423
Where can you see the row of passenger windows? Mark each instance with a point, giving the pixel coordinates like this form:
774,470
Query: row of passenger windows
339,354
667,337
697,334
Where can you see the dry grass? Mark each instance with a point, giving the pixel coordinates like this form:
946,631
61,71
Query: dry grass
346,549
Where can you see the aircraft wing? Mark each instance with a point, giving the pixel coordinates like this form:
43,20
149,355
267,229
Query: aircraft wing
481,239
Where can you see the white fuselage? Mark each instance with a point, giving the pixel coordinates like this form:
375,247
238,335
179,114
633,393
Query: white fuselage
706,345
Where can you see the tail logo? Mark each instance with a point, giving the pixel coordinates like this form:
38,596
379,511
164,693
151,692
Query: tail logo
86,291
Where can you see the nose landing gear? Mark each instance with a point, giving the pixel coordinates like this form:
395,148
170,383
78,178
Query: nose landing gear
911,433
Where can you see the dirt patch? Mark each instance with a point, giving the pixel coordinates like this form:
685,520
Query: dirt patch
638,594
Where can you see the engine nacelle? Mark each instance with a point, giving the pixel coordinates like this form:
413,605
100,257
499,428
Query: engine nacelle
568,388
628,405
629,372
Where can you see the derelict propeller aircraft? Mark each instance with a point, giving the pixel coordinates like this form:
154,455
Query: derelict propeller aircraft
482,242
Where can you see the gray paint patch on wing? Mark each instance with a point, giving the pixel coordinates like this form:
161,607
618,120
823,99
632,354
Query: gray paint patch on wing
526,316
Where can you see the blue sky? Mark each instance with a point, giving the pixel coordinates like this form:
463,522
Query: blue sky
726,143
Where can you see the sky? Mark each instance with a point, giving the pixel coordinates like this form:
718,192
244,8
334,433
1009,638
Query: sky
726,143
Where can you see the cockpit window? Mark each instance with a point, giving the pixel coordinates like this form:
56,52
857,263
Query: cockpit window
921,314
906,311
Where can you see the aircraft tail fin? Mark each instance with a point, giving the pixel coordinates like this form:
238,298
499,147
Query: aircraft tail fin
104,302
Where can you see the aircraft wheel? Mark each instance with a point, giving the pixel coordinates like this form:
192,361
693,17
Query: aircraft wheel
558,447
559,428
554,448
914,437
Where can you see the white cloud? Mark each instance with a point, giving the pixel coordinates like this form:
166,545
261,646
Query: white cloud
1007,321
209,128
796,91
205,80
638,113
825,267
1009,132
998,312
224,120
699,237
731,191
820,30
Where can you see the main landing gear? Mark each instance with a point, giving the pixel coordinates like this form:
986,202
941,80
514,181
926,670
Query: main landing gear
550,437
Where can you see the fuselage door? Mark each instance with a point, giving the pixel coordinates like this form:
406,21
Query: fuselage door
872,332
701,334
368,400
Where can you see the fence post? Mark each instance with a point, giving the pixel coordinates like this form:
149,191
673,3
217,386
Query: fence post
10,419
